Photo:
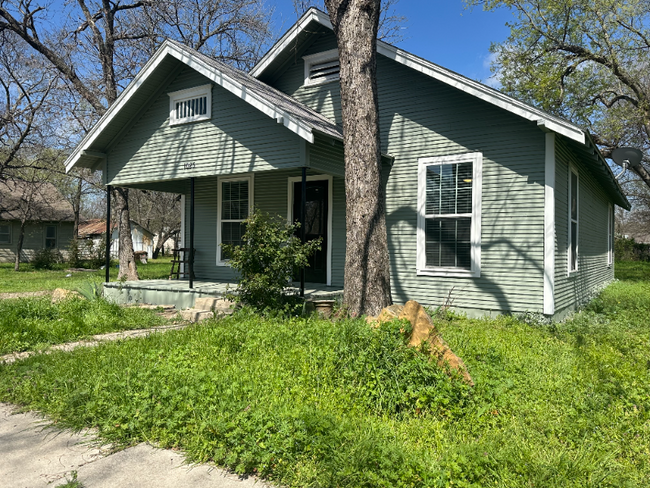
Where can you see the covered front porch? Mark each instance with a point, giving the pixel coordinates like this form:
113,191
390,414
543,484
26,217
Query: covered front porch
179,294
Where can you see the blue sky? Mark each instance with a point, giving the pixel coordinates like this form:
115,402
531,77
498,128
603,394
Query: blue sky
441,31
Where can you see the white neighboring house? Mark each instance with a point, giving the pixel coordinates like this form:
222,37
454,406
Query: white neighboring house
95,230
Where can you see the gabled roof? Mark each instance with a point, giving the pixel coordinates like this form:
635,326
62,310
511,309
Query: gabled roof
304,27
37,202
285,110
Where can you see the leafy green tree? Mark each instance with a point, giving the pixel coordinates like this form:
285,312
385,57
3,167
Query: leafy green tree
584,60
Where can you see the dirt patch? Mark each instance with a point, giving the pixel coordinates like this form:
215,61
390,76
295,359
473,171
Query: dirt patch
25,294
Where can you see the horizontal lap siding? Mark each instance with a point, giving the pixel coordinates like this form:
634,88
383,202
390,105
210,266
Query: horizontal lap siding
238,138
421,117
271,196
34,239
593,204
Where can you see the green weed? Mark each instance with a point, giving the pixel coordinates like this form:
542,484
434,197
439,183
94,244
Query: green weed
33,323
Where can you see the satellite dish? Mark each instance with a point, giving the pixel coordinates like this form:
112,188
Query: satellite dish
630,155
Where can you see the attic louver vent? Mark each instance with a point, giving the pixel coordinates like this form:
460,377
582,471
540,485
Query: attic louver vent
322,67
191,108
322,72
190,105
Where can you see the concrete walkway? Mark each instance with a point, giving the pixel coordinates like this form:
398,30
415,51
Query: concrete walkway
34,455
94,341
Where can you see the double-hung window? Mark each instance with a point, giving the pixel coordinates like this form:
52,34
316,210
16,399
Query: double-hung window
573,220
191,105
5,233
449,215
50,237
234,207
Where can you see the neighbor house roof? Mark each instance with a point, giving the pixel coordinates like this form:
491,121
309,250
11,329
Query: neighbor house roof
96,227
286,46
285,110
35,201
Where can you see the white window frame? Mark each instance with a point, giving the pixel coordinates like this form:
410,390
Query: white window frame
188,94
610,235
319,58
220,180
56,236
476,158
8,225
572,272
330,203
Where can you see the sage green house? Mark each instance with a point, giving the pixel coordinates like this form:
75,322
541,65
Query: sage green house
491,202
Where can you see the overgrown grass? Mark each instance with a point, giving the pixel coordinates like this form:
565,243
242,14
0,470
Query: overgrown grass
632,270
29,279
310,403
30,323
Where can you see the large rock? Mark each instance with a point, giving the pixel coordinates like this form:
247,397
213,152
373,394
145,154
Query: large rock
60,294
425,330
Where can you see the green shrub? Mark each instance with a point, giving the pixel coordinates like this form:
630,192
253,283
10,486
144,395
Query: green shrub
627,249
46,258
75,259
96,253
270,256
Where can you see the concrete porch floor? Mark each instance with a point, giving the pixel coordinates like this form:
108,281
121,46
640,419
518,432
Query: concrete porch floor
178,292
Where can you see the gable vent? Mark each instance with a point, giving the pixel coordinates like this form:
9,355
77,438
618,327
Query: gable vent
191,105
322,67
191,108
321,72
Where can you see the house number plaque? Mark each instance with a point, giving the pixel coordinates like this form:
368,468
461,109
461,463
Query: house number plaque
190,165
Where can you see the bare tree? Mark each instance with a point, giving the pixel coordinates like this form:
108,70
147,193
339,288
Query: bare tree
101,46
367,272
391,24
158,212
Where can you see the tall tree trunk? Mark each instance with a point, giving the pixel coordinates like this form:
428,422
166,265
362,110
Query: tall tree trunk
19,245
367,270
128,269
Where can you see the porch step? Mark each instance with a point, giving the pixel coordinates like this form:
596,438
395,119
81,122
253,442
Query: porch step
215,304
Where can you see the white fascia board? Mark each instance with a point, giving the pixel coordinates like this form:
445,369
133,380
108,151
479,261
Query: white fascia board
206,70
434,71
289,37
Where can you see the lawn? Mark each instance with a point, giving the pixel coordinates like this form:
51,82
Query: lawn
33,323
308,402
28,279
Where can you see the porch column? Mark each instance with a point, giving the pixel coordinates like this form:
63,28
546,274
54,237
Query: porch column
108,232
191,263
303,211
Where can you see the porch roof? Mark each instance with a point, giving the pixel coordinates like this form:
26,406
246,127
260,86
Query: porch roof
298,118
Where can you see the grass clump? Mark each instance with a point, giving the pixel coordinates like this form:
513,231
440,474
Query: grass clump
33,323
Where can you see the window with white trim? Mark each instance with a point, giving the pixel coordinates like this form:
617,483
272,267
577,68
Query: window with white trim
191,105
234,208
610,235
449,215
5,233
322,67
50,237
573,220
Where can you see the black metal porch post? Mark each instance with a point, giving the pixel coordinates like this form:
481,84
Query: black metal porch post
303,211
108,233
191,263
